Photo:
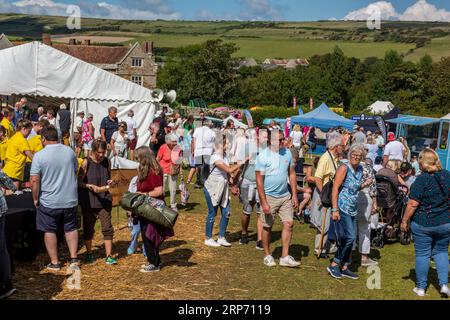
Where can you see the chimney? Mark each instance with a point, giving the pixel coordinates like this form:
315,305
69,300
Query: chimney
87,42
72,42
47,39
151,48
148,47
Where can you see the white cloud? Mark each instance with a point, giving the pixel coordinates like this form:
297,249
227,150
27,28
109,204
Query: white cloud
420,11
423,11
386,9
125,9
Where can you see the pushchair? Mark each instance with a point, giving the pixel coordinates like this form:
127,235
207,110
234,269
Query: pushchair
392,200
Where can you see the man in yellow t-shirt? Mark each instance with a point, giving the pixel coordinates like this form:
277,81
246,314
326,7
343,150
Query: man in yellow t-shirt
326,169
17,152
7,123
34,140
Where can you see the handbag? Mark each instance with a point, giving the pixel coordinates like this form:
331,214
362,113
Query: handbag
153,210
336,231
174,169
327,189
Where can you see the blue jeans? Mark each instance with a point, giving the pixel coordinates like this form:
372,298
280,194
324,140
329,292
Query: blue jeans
431,241
344,251
135,232
212,212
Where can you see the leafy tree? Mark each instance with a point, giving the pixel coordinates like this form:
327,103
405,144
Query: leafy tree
203,71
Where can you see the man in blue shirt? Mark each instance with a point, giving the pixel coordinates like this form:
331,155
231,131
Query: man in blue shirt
55,195
274,166
109,125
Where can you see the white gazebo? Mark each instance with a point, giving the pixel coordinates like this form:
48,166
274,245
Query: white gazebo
38,70
381,107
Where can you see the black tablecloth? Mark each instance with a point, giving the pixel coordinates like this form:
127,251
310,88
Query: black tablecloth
22,239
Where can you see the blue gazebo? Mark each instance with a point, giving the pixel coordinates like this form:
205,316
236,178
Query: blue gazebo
323,118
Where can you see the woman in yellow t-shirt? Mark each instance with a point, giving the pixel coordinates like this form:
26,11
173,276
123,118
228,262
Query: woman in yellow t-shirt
17,152
3,144
7,123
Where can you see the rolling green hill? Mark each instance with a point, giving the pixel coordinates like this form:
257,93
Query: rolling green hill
259,40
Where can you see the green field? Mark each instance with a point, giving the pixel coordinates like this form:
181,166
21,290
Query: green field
258,40
439,47
276,47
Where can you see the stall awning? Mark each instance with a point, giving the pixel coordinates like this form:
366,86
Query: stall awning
414,120
323,118
280,121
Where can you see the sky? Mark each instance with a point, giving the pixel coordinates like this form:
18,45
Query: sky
253,10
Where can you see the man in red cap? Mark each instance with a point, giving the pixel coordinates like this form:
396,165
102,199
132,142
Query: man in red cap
393,150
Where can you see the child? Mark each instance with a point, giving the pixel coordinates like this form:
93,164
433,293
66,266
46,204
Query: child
378,164
133,222
415,165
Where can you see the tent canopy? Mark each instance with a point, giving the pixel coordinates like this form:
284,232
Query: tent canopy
35,69
414,120
381,107
40,70
237,123
323,118
447,117
280,121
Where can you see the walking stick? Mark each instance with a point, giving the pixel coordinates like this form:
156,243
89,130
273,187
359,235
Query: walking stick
322,233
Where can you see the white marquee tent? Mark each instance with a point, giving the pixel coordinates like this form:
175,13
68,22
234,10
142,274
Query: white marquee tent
381,107
37,70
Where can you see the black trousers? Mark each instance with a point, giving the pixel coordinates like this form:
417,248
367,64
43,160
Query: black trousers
151,252
5,263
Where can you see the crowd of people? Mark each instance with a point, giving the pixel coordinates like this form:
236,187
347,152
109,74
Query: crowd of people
264,167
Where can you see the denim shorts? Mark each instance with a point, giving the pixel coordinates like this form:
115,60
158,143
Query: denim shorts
50,220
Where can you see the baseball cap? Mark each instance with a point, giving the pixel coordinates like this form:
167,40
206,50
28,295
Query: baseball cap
391,136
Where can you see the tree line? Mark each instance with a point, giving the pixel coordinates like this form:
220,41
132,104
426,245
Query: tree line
208,71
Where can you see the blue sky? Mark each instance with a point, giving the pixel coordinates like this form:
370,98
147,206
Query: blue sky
290,10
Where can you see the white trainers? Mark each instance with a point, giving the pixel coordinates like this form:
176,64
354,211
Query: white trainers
289,261
211,243
419,292
368,262
445,290
223,242
269,261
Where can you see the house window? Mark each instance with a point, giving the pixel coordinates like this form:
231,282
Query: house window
137,80
136,62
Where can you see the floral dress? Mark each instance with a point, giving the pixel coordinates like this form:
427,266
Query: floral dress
85,135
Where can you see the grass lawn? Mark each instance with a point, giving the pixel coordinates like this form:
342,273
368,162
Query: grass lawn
193,271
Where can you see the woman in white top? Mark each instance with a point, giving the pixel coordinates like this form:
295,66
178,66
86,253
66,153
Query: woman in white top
406,151
119,141
296,136
216,193
372,148
51,117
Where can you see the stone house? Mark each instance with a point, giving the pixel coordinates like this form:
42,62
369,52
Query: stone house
135,62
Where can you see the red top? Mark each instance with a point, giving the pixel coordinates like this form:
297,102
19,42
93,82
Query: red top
168,157
152,182
165,154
